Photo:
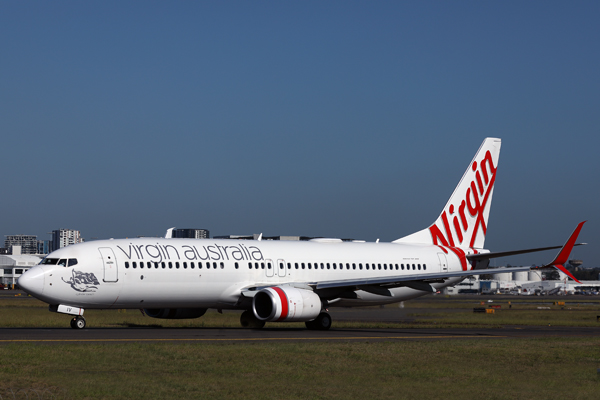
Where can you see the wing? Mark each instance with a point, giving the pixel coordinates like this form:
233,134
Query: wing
423,281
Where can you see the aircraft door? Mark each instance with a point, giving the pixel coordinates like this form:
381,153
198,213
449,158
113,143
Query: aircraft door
269,268
111,273
281,267
443,262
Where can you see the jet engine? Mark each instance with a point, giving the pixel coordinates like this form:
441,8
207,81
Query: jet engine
175,313
284,303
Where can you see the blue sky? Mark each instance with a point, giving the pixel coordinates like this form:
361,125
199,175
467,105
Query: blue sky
338,119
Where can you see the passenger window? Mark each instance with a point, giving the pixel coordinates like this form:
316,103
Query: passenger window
419,267
327,265
236,266
126,264
302,265
163,264
72,261
413,267
281,266
222,265
424,266
193,265
134,264
385,266
289,265
366,266
309,266
215,265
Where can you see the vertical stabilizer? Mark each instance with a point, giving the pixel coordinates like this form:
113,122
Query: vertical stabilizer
463,221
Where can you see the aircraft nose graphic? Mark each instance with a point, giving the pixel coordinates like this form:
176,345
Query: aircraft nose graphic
32,281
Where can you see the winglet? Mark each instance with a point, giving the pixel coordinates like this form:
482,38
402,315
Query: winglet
563,255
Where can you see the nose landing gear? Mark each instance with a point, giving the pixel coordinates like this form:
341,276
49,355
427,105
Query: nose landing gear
78,322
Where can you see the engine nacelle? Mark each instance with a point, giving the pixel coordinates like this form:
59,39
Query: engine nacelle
284,303
175,313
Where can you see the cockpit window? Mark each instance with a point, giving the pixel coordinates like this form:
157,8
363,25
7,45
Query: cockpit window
72,261
63,262
49,261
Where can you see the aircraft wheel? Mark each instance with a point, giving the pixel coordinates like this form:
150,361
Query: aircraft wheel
321,323
78,323
248,320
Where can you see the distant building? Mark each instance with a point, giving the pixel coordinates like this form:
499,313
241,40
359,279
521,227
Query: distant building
28,243
255,236
44,246
191,233
65,237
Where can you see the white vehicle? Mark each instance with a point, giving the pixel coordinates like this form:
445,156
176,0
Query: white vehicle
279,280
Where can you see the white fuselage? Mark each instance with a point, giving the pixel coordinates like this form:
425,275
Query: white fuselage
211,273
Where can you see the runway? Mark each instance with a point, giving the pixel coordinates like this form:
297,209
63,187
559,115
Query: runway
190,335
285,334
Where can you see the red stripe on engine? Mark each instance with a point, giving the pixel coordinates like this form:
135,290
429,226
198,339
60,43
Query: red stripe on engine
284,303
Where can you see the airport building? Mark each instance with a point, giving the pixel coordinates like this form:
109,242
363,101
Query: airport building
13,266
523,283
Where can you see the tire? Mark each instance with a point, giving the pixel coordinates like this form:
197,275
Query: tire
78,323
321,323
248,320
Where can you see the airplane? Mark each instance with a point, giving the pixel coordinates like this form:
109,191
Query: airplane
280,281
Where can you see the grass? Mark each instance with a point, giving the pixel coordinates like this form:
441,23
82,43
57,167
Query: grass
552,368
493,369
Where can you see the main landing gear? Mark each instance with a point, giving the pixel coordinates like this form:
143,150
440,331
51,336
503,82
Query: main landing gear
248,320
78,322
321,323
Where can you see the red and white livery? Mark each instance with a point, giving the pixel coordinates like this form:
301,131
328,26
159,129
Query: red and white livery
279,281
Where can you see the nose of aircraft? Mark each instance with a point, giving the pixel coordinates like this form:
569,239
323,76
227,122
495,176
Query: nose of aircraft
32,281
